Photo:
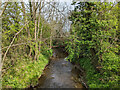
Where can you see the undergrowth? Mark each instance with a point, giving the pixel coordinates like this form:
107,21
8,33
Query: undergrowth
94,78
25,73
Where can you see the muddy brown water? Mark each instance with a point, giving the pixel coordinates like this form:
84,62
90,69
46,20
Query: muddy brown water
60,73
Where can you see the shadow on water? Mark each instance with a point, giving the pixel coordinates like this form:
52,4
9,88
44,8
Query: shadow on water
59,73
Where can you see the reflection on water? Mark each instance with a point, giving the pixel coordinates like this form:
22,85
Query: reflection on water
59,74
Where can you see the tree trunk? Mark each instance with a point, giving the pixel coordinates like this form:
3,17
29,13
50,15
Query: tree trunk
30,4
24,15
39,27
35,35
27,26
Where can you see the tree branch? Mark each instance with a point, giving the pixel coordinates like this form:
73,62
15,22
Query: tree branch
4,9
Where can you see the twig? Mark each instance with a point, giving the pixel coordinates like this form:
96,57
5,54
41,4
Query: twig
4,9
12,42
110,46
14,45
56,8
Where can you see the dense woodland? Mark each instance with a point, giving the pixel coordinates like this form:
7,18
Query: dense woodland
30,31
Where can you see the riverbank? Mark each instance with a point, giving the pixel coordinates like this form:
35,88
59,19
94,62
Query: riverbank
91,77
24,73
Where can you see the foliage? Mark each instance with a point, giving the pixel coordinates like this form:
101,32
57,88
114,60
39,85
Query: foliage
95,35
24,47
95,79
46,51
24,73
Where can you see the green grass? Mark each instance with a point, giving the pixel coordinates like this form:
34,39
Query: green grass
25,73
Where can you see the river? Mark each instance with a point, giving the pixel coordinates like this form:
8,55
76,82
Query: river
60,73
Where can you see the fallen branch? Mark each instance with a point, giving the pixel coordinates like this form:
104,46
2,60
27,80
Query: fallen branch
82,81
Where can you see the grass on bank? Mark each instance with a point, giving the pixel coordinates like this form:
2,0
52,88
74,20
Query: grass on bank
92,76
25,73
94,79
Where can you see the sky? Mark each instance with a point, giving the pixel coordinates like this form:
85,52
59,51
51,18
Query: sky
37,0
68,1
61,0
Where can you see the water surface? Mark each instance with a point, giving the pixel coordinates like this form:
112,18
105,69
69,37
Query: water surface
60,73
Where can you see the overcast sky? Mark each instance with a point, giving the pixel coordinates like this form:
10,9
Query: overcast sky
37,0
68,1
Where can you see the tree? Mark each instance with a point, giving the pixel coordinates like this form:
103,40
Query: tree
94,35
